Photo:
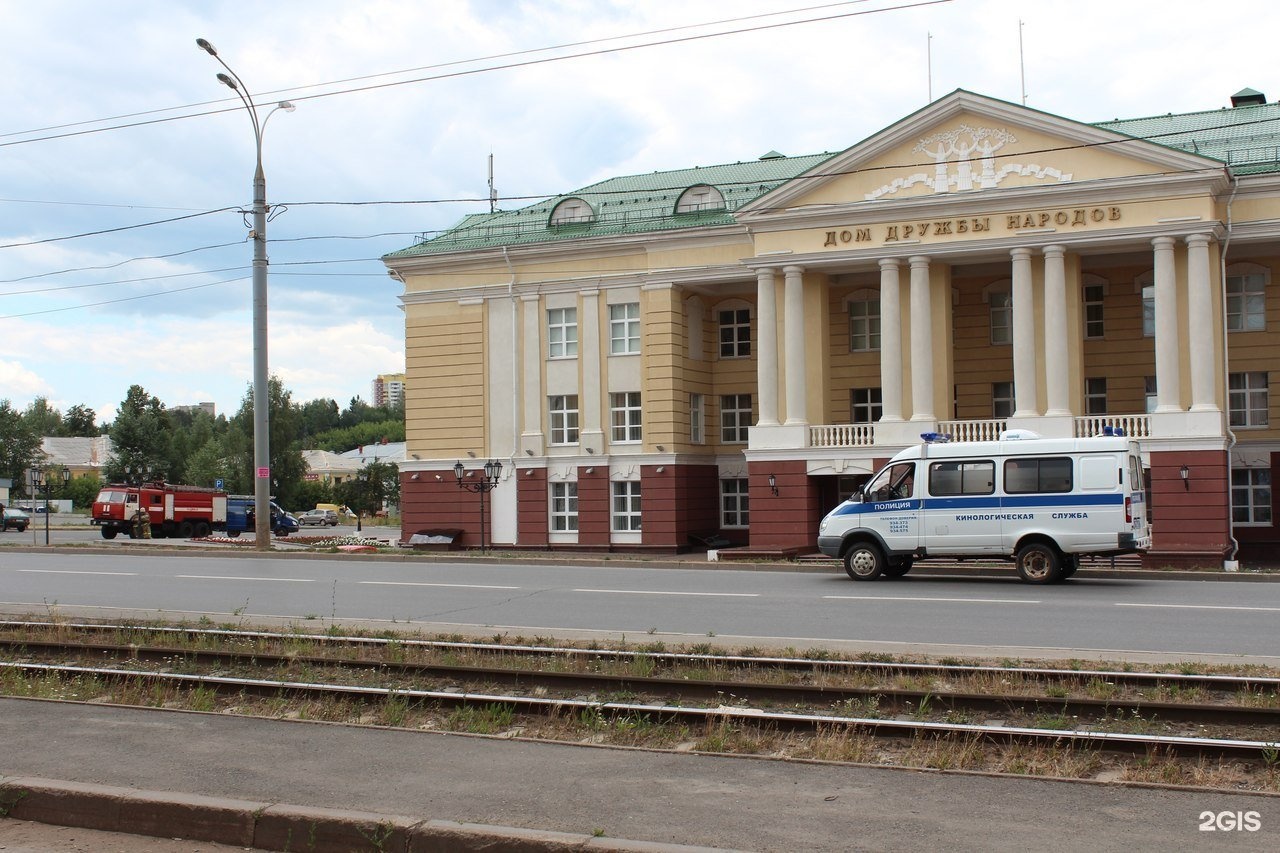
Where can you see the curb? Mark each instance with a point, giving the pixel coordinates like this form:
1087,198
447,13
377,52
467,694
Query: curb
281,826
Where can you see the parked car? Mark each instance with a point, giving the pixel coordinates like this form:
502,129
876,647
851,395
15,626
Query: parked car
319,517
15,518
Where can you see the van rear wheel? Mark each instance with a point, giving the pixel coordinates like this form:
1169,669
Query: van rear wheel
898,568
1039,562
864,562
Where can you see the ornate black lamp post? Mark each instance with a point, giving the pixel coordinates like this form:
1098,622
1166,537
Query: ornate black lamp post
486,484
40,482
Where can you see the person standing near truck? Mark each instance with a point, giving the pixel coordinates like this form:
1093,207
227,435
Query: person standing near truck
141,523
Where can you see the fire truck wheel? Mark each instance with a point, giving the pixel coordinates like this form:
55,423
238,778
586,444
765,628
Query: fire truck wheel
202,529
108,533
185,529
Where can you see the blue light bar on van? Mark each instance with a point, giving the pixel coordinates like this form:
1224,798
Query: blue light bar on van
935,437
1116,431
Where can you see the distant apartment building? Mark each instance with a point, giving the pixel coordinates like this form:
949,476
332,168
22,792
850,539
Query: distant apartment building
388,390
208,408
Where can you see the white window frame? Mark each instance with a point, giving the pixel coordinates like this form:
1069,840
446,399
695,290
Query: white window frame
1249,399
1000,401
999,298
864,322
563,514
1095,395
697,419
562,332
624,328
1093,300
735,421
1251,497
625,416
563,419
624,506
1246,298
1148,291
735,502
867,401
1149,394
698,198
739,326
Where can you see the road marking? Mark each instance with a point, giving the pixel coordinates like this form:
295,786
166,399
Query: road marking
239,578
452,585
912,598
70,572
661,592
1202,607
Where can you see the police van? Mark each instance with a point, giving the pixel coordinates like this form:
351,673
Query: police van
1042,502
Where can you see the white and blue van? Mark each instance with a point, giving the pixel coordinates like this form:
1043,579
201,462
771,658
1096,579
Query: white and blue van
1042,502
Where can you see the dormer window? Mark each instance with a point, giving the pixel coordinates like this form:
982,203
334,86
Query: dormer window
701,197
572,211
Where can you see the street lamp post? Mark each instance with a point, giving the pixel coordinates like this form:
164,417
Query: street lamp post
40,480
261,403
362,477
488,481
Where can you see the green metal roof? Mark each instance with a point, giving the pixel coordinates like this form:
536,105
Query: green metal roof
627,205
1245,137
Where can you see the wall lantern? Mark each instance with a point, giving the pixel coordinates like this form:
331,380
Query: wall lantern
1185,473
773,485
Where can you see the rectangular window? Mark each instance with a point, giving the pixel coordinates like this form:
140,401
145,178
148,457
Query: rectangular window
1093,312
1028,476
1149,393
624,328
1001,303
625,517
624,417
735,333
1095,396
562,332
564,507
962,478
1149,311
1248,399
1251,495
735,418
563,410
864,326
734,503
864,405
1246,303
697,419
1001,399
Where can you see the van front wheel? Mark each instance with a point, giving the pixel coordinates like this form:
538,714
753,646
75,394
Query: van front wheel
1039,563
864,562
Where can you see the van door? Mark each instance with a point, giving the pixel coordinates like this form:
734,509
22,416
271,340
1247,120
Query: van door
961,514
892,508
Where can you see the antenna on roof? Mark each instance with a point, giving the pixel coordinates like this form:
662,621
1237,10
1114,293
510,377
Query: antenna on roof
493,193
1022,68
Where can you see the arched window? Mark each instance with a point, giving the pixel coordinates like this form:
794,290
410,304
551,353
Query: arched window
572,211
698,198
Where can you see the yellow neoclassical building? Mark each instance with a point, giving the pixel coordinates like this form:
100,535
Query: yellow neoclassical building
722,353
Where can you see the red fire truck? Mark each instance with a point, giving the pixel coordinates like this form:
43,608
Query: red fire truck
176,511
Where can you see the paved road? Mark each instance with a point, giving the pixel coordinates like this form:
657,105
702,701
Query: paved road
1088,617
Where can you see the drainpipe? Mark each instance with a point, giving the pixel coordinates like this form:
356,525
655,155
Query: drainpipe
1231,564
516,408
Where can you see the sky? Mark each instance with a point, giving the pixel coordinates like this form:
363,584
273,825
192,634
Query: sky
124,163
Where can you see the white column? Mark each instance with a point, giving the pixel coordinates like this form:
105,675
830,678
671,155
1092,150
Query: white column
531,392
921,341
1200,331
890,340
589,353
1055,331
1024,337
767,346
1168,382
794,343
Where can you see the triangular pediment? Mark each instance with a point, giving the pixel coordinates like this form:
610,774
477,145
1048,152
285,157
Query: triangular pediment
965,145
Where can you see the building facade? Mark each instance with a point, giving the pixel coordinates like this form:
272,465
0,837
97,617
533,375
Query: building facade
728,351
388,390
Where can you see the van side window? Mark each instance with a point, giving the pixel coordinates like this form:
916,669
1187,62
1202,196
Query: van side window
962,478
1028,475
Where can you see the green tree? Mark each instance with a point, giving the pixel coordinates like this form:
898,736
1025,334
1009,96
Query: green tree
284,426
80,421
140,435
319,416
81,490
43,418
207,464
19,446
